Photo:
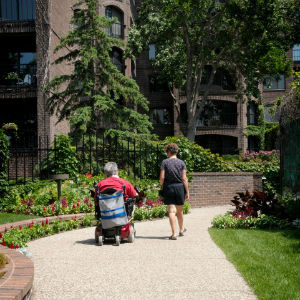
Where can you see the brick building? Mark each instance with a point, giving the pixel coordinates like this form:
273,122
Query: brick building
31,29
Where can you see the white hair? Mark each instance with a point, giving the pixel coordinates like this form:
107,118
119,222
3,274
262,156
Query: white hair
110,169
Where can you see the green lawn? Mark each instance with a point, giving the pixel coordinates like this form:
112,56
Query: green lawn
268,260
8,217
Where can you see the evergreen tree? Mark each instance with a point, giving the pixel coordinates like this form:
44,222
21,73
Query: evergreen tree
95,96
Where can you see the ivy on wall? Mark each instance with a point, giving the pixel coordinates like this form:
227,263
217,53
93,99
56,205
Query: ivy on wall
259,129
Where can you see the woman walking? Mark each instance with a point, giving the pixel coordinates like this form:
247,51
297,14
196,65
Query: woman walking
175,188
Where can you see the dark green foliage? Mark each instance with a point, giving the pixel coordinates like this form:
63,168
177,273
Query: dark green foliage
95,95
271,137
196,158
251,36
4,157
62,159
291,205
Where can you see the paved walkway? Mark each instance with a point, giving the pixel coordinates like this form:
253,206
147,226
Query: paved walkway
71,266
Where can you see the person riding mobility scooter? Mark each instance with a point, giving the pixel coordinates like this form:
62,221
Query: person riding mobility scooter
114,206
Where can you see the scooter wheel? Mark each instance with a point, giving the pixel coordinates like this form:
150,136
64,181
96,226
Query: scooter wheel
100,240
117,240
96,237
131,235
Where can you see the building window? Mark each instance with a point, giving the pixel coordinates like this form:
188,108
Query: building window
252,113
157,85
117,59
222,79
116,29
160,116
151,51
270,117
18,68
218,113
296,52
276,82
17,10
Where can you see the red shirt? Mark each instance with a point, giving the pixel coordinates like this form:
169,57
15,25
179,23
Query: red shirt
116,183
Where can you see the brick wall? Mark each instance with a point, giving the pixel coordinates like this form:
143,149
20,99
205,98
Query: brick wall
208,189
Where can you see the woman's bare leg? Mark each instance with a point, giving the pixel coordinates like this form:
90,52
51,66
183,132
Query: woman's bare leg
179,210
172,218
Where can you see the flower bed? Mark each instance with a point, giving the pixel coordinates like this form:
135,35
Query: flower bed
18,237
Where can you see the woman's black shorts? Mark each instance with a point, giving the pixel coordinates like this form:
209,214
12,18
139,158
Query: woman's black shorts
174,193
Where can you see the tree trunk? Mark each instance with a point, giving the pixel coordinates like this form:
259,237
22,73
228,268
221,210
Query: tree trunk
191,129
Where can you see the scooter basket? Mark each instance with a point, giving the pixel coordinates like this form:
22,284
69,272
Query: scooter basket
112,209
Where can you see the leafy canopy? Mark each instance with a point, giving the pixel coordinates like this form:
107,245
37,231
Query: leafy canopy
95,95
247,38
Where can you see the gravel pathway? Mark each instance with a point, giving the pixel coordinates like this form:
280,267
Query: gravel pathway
70,266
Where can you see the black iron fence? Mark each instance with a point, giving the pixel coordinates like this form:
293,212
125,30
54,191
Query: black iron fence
138,158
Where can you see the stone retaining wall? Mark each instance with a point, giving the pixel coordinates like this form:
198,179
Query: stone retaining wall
218,188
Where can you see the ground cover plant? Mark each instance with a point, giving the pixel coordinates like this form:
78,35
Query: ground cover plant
269,260
18,237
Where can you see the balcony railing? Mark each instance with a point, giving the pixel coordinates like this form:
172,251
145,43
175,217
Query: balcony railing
115,30
17,10
222,120
22,75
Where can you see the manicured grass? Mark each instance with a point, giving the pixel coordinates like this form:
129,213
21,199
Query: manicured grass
8,217
268,260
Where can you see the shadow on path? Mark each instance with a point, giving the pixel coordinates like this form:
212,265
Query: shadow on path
152,237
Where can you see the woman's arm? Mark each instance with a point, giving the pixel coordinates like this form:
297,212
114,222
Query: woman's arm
162,177
186,185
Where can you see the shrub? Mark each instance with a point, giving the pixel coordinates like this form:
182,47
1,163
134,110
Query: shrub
4,157
62,158
261,222
291,205
271,136
196,158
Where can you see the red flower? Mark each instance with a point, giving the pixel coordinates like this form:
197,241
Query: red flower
11,246
59,219
77,203
0,235
16,246
88,175
11,226
86,200
74,205
3,243
53,208
47,222
29,225
44,208
20,227
91,205
43,223
5,230
75,218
